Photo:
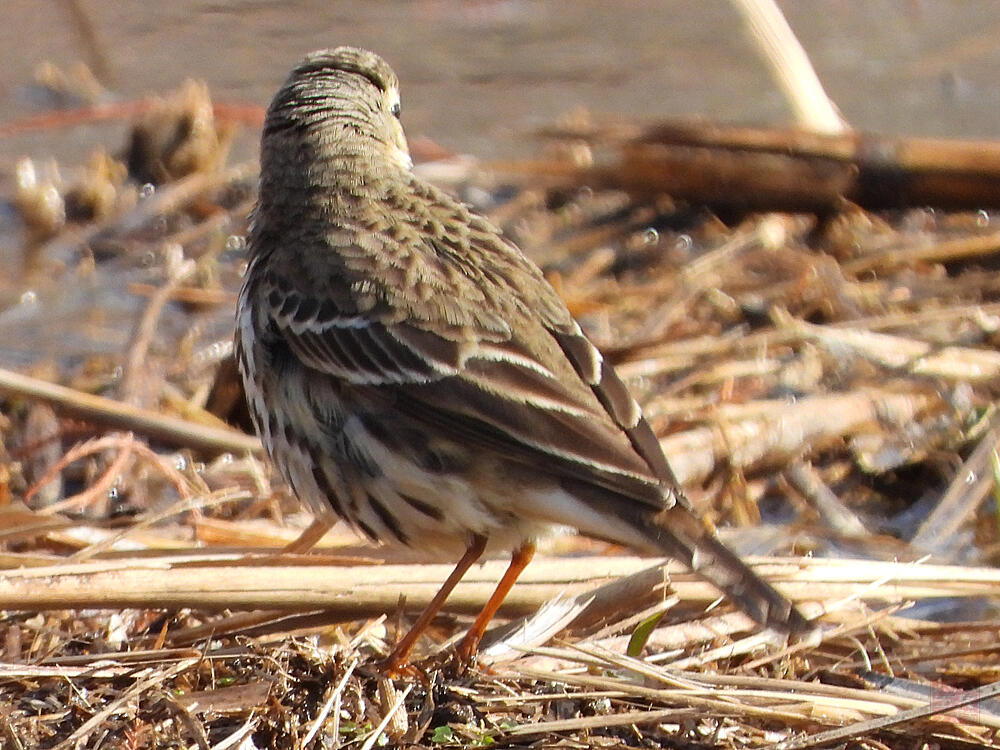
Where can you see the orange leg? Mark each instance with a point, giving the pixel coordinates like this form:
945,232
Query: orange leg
518,562
398,656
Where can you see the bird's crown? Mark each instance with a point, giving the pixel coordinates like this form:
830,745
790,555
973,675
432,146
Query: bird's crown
349,60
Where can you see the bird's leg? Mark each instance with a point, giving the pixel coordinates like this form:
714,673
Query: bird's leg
518,562
308,538
477,545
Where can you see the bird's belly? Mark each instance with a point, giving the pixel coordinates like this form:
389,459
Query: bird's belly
393,500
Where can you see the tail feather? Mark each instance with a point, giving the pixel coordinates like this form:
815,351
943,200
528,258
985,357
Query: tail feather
680,534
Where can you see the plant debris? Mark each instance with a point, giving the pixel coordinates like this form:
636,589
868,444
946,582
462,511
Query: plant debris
822,382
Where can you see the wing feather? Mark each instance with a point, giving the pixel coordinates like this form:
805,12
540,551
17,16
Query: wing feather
616,399
474,386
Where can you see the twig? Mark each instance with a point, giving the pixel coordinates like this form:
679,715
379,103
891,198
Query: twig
969,487
770,232
137,689
103,483
939,705
976,246
768,169
248,114
333,697
185,503
806,480
373,737
166,200
125,417
780,431
92,42
179,270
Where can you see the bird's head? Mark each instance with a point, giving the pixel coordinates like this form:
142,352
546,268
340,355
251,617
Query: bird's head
337,103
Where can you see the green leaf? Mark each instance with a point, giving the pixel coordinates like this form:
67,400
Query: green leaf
641,634
442,734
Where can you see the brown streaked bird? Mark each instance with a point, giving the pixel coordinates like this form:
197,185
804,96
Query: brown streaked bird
411,371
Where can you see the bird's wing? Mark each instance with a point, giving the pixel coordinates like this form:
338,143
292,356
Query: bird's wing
517,395
535,391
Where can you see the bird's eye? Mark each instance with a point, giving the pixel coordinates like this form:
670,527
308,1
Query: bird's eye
395,109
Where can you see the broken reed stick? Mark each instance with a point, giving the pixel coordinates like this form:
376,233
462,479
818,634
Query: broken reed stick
796,169
123,416
788,169
776,431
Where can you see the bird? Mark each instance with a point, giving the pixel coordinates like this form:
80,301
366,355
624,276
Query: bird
410,370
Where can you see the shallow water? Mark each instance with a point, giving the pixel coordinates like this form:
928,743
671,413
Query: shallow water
478,74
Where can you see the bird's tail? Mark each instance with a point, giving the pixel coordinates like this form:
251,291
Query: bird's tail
676,530
679,533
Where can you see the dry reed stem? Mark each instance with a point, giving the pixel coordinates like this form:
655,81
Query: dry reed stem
245,582
118,415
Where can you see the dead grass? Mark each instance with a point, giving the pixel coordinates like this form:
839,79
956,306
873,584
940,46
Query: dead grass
833,373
